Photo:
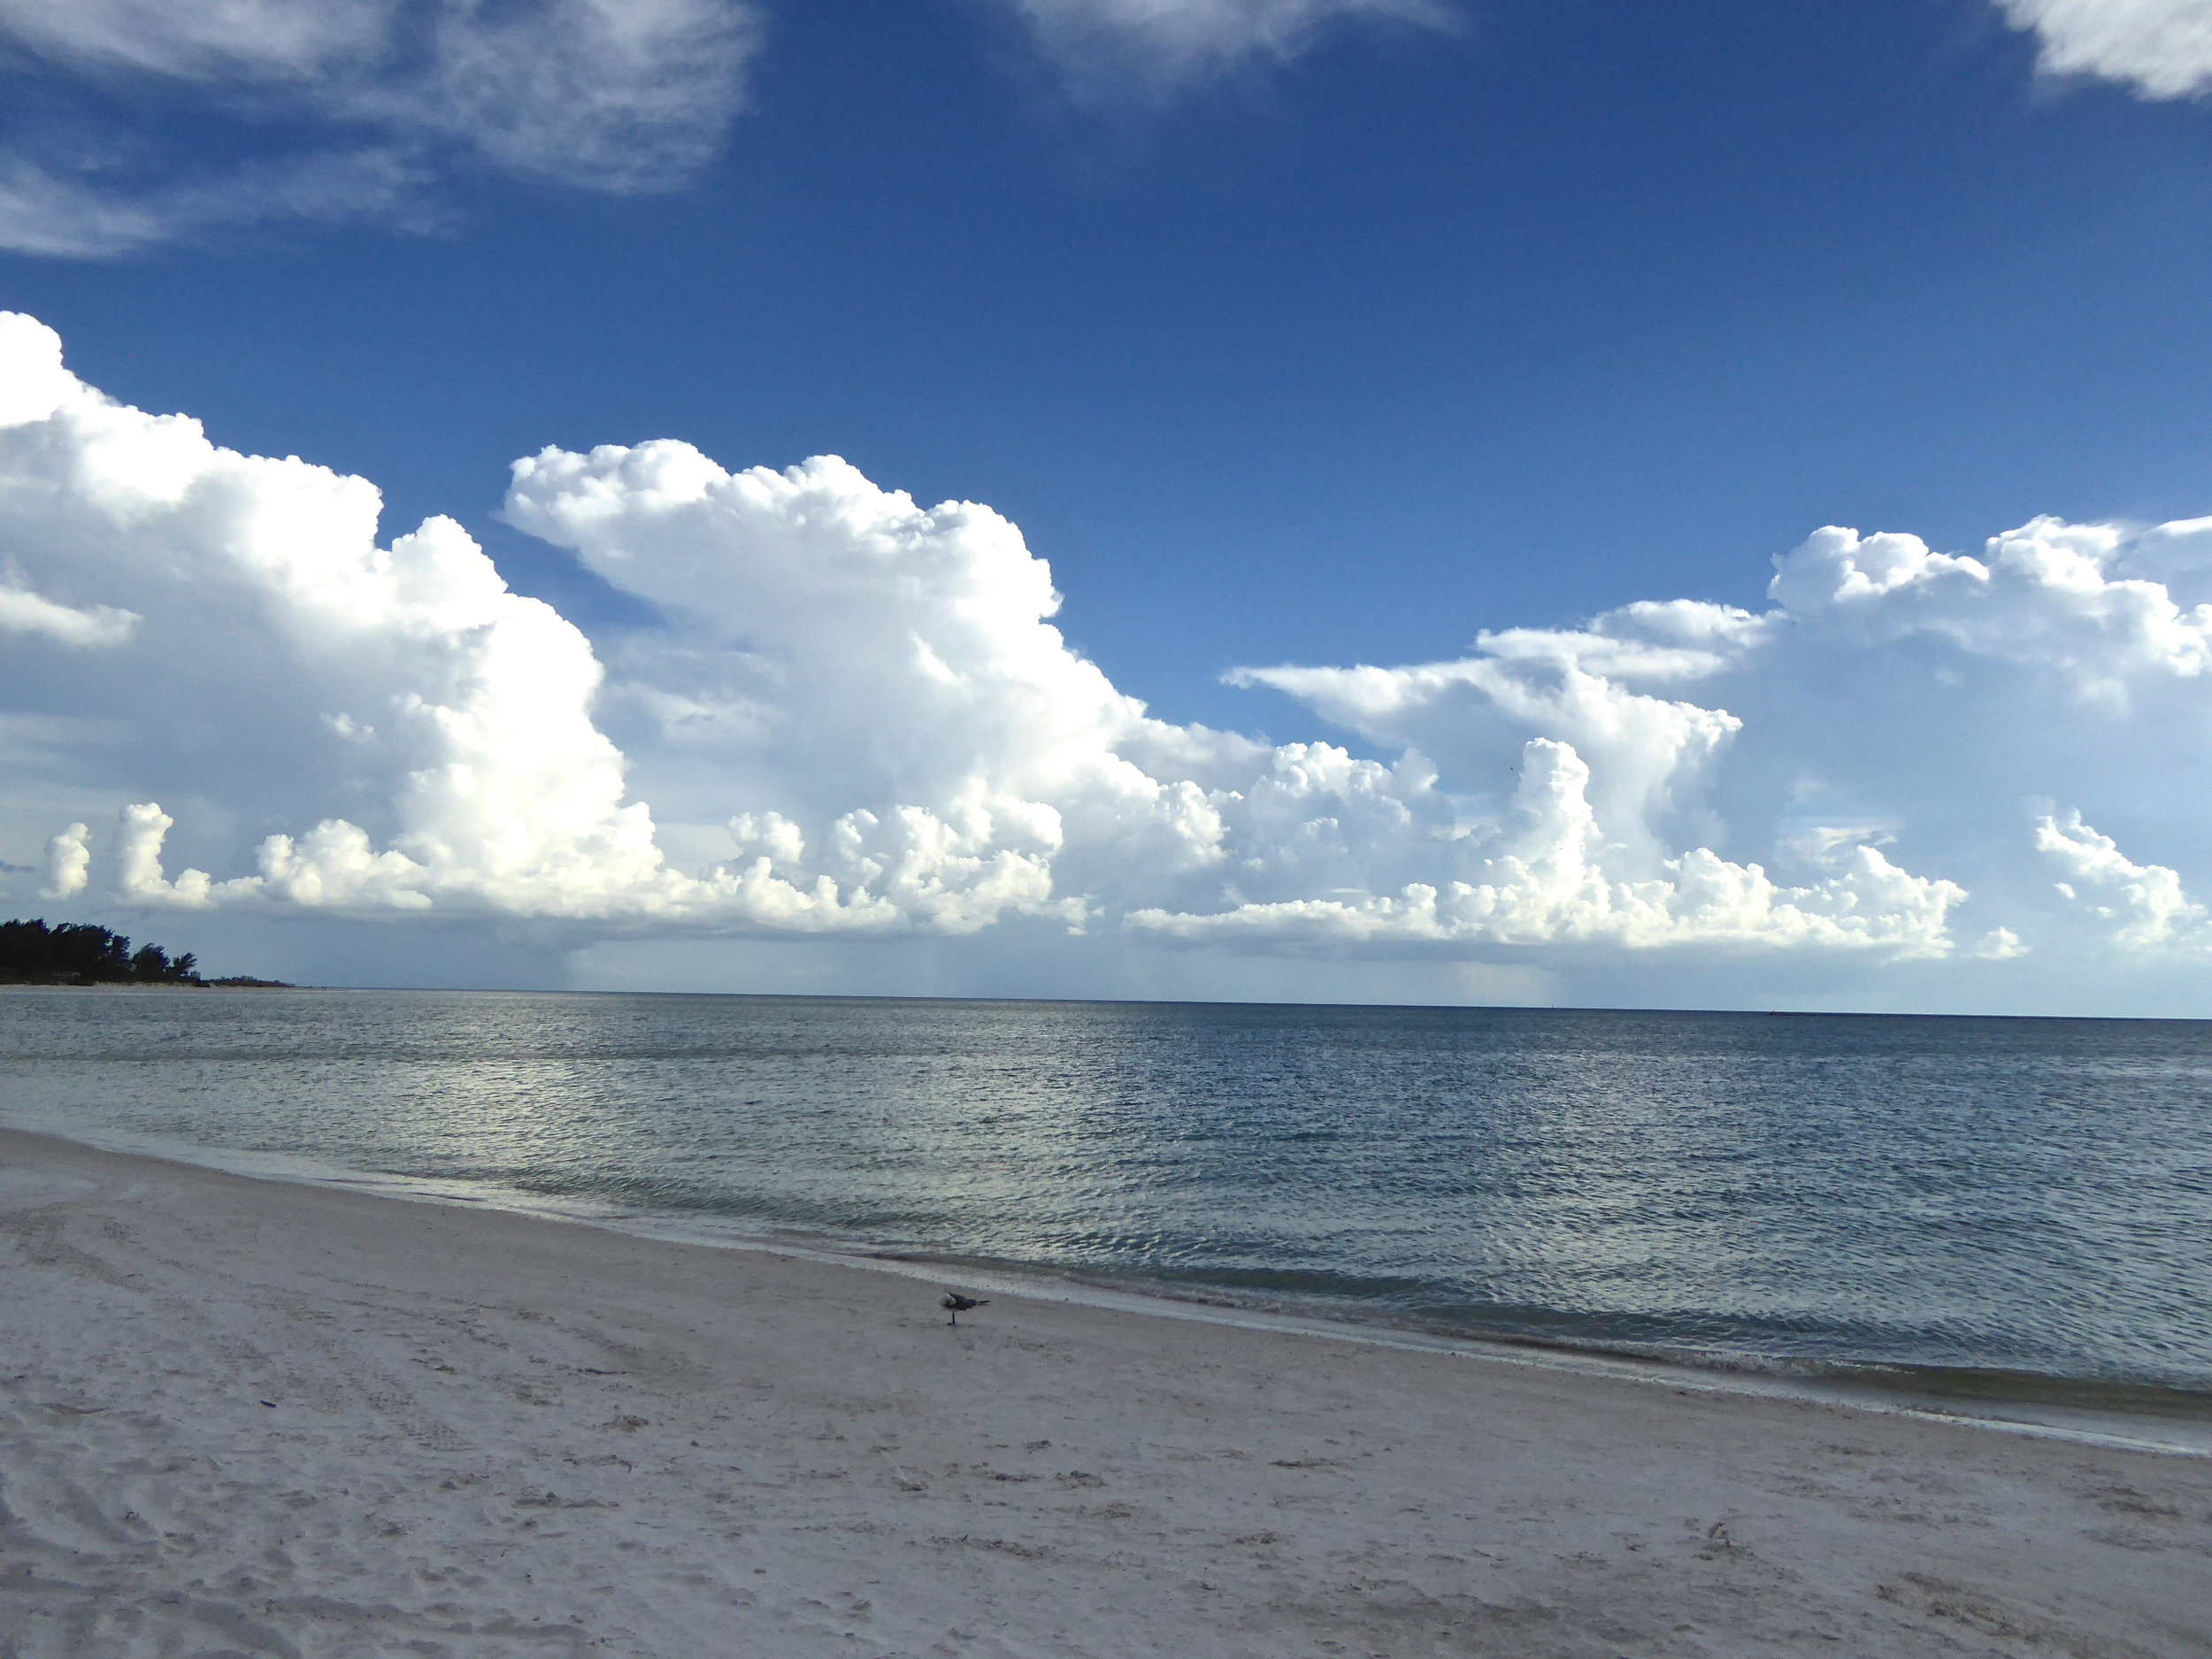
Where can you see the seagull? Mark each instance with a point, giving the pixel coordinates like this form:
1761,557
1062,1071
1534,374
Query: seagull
958,1304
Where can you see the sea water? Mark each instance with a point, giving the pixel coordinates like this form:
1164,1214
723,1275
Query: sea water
1995,1195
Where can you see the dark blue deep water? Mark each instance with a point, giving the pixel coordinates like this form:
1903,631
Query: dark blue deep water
1997,1194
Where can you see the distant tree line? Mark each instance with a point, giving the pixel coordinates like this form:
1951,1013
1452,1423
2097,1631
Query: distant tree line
78,953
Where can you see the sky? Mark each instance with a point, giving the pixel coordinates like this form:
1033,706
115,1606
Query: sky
1442,500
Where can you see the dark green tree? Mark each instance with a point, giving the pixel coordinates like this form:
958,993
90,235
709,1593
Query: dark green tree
83,954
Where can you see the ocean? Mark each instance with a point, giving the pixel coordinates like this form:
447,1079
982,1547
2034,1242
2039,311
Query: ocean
2022,1198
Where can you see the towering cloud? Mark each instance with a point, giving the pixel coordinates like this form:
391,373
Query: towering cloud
856,716
286,664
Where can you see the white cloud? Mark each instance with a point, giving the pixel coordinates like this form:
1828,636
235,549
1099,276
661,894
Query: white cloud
291,661
257,40
91,215
68,863
353,109
1094,42
2049,593
1895,695
23,612
1544,882
856,717
2161,48
881,679
2143,904
332,111
831,638
140,830
1648,753
37,382
1998,944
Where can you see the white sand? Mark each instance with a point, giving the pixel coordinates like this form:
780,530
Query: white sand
242,1416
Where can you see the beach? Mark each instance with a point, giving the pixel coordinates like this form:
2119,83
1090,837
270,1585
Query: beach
252,1417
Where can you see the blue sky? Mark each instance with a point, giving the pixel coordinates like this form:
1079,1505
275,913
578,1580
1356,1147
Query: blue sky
1586,303
1337,355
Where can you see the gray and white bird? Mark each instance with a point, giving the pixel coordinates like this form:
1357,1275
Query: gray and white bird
957,1304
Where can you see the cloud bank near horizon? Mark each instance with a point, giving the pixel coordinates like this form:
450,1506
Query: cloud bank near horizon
856,720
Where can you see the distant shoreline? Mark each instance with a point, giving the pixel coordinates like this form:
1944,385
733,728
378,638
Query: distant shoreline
34,951
240,982
923,999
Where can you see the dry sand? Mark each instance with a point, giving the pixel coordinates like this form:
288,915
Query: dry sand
243,1417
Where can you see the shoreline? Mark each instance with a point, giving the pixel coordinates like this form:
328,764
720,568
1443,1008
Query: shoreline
247,982
2147,1416
268,1417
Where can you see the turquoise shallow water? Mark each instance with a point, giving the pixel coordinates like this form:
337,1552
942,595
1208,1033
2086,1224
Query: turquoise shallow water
2012,1196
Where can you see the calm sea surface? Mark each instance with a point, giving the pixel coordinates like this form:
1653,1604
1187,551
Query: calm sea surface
2005,1194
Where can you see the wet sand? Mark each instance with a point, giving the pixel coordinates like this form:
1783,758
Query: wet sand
247,1417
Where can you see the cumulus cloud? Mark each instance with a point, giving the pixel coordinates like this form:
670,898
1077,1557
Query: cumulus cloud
1894,699
300,662
1580,686
343,110
1174,40
1545,882
2143,904
2047,593
856,716
881,677
68,864
2161,48
831,638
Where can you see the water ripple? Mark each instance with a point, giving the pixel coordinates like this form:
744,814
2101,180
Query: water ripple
2022,1195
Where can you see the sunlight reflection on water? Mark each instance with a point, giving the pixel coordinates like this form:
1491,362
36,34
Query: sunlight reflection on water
2015,1194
